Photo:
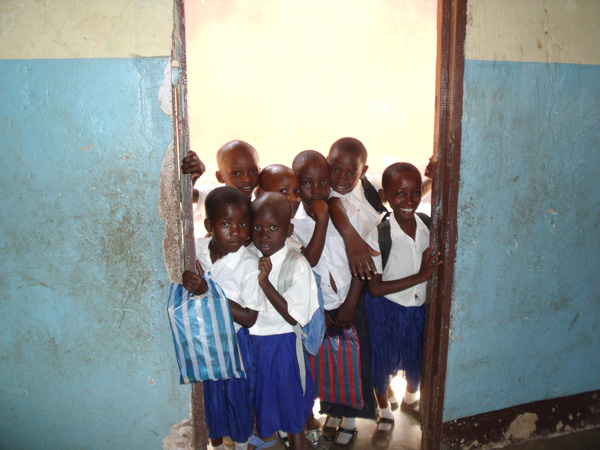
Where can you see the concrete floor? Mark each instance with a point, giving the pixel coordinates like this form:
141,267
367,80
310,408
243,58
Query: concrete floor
407,434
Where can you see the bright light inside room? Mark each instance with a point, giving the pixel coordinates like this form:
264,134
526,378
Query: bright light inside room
289,76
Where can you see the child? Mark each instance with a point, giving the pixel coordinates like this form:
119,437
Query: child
280,178
281,403
239,167
348,162
344,304
396,304
229,404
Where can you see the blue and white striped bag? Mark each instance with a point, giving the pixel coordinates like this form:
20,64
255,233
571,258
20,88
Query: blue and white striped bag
203,334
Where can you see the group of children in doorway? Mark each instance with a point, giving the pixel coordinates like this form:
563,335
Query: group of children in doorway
325,209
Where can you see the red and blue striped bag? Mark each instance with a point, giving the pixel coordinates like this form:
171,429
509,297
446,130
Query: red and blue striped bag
336,368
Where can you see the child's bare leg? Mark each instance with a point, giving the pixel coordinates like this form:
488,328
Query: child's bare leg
297,441
217,443
382,400
313,423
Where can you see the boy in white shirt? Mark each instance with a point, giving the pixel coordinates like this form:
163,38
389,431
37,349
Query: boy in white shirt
343,302
348,163
396,299
283,401
229,404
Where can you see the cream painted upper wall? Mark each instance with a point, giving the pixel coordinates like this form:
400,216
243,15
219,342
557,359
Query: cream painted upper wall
85,28
555,31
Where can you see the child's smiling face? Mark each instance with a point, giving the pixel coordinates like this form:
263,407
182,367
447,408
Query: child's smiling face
346,170
403,193
229,229
239,168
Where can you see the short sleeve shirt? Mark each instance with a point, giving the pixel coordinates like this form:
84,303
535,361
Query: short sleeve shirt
334,259
301,297
236,273
404,260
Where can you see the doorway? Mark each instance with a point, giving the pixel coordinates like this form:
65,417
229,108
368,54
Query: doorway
444,122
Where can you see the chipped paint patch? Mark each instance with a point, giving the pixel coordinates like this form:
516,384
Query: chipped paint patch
180,437
522,427
169,211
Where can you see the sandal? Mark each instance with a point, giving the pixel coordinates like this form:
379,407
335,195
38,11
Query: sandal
412,409
330,432
259,444
284,439
350,444
382,438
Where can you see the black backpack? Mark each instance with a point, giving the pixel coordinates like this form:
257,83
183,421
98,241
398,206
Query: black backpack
385,236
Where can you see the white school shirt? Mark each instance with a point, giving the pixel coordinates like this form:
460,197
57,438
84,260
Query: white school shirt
301,297
356,197
334,259
404,260
236,273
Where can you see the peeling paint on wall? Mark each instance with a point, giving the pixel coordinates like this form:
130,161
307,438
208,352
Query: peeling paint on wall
170,213
522,427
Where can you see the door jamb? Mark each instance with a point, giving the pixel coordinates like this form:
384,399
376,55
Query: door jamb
451,19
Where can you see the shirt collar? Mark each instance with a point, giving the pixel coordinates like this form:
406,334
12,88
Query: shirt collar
278,257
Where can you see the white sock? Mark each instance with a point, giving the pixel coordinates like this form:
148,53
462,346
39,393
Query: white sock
333,422
218,447
387,414
349,423
411,397
241,445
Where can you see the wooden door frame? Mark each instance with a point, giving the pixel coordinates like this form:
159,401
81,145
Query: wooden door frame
451,26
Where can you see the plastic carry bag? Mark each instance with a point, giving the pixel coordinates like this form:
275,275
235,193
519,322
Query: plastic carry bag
336,368
203,333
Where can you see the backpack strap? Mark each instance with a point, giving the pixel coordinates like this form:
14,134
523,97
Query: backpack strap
426,219
372,196
286,275
385,239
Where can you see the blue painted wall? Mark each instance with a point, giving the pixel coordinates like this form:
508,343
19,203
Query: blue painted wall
525,320
86,356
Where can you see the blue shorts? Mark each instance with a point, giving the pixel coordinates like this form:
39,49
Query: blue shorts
396,341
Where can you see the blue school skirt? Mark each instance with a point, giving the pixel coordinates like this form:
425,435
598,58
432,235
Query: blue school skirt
229,404
280,404
396,341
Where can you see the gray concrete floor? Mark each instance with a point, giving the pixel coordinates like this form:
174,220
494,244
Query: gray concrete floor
407,434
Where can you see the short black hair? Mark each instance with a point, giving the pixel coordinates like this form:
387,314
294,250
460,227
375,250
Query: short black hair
397,168
232,145
352,146
273,169
275,201
307,156
224,195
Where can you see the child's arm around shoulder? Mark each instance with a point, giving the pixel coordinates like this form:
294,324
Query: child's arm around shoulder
430,260
359,252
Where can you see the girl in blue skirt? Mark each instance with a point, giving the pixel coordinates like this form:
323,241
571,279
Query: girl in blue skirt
229,404
284,388
396,297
